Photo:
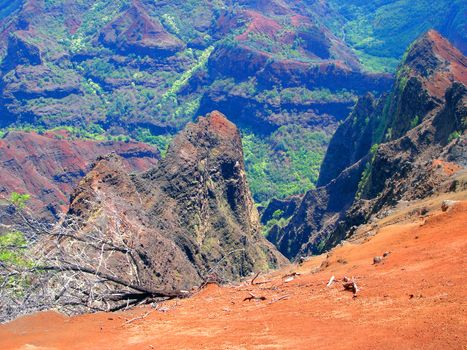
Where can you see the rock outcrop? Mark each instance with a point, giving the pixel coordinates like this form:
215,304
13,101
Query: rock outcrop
400,147
189,217
430,67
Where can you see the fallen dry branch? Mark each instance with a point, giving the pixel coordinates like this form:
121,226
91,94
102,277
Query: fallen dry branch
258,283
290,277
293,274
263,282
284,297
71,269
254,297
138,318
254,278
273,288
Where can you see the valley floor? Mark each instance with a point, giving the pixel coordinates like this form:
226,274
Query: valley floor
416,298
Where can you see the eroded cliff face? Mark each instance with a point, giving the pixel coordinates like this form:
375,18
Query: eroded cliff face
49,166
107,201
352,139
430,67
189,217
396,148
136,32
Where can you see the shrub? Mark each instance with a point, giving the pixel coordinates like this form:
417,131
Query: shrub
19,200
455,135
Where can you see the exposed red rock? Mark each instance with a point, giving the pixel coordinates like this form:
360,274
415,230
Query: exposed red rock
435,61
261,25
135,31
48,166
333,74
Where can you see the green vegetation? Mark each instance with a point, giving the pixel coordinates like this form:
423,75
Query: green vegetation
162,142
185,77
19,200
14,255
381,30
454,135
303,96
414,122
90,132
281,222
13,249
170,24
279,49
98,15
367,172
277,214
285,163
376,64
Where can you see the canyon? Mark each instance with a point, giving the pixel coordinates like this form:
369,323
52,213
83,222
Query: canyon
258,174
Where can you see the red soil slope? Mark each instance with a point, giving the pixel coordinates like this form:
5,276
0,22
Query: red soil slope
414,299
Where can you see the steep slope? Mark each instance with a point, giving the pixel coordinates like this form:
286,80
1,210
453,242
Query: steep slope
202,181
397,148
190,218
107,199
429,68
48,166
352,140
401,303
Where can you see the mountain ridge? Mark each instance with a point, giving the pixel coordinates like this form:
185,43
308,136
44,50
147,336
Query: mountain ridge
387,151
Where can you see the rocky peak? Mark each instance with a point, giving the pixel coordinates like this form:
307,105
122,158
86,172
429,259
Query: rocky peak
203,181
431,66
432,54
195,205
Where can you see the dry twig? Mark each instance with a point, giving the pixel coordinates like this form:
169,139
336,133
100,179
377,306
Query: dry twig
139,317
279,299
254,297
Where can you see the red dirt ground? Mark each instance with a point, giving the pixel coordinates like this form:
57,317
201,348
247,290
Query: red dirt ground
414,299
